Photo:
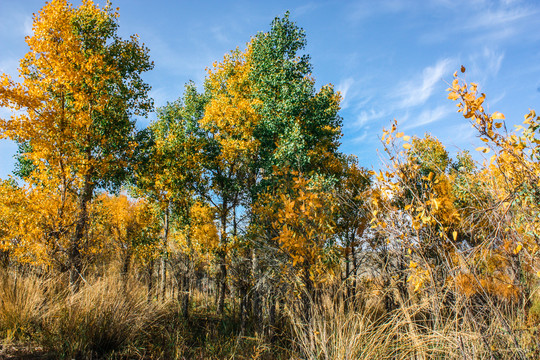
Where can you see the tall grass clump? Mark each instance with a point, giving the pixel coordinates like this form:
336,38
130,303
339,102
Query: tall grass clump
103,317
346,329
21,304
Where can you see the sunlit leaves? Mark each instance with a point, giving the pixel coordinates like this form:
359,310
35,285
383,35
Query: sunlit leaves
306,226
80,86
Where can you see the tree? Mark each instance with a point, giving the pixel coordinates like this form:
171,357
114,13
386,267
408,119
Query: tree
228,123
169,169
352,193
306,233
298,133
299,127
81,85
127,229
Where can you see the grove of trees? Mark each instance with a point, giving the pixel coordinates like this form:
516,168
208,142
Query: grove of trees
236,205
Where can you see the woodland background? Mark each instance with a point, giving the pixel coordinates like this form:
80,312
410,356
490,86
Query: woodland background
234,227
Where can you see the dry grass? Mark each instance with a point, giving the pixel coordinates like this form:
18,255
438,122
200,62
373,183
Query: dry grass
412,331
104,316
21,307
107,319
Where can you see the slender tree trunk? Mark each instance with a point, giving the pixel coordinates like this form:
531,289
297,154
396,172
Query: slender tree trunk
150,279
184,291
125,268
186,279
222,285
163,263
255,297
354,271
307,296
75,260
243,308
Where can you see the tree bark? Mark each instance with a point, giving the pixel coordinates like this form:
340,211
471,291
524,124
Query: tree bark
150,279
75,259
255,297
163,263
222,285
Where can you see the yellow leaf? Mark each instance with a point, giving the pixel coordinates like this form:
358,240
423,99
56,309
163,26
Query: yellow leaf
407,146
453,96
518,248
497,116
454,235
406,138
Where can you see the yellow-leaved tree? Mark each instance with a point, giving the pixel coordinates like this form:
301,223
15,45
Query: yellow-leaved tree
228,124
73,108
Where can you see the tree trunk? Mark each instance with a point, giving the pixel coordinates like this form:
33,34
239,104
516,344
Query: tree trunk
255,297
307,295
163,264
150,279
75,260
185,291
125,268
222,285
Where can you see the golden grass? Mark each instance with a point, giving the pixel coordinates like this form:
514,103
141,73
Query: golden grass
415,330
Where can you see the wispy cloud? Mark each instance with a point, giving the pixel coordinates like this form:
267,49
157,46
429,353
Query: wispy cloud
486,64
494,61
429,116
27,26
367,8
360,138
499,17
366,116
306,8
414,93
489,21
343,87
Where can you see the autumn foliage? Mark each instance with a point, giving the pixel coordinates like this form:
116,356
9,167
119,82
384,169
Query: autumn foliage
236,204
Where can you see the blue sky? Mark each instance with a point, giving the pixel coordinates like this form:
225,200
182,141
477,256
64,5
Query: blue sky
390,59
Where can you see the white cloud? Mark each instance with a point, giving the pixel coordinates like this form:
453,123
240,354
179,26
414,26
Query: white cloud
27,26
429,116
416,93
493,19
494,61
360,138
343,87
486,64
366,116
